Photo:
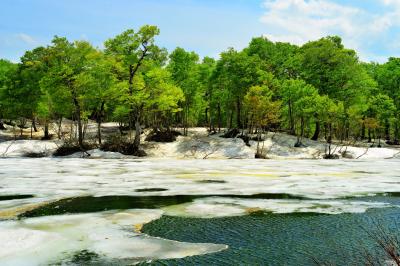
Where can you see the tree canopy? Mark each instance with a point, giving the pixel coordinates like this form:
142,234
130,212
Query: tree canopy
318,90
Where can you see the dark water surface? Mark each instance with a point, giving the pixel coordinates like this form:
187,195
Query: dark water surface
90,204
279,239
257,239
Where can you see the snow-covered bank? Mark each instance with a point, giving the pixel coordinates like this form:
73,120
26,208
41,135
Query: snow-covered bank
23,148
199,145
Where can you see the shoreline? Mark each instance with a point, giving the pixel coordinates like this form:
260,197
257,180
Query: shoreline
200,145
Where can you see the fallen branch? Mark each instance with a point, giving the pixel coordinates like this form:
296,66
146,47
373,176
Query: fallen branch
366,151
8,147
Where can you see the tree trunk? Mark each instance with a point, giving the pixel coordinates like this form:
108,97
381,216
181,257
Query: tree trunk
363,131
369,136
99,119
185,131
258,152
99,131
317,131
238,114
206,114
302,129
291,121
251,124
211,122
138,131
300,135
59,128
14,132
219,117
387,130
329,140
379,138
46,130
231,120
130,82
211,110
80,129
34,124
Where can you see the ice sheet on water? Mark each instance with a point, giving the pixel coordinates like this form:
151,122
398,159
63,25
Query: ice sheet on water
60,178
223,207
111,235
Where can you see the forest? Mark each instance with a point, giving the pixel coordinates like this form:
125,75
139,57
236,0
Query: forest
320,90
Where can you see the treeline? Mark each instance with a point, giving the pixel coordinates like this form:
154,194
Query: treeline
318,90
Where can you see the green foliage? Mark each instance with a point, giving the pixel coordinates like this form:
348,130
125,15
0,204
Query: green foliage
382,108
320,86
161,96
334,70
130,46
184,70
388,77
278,56
261,108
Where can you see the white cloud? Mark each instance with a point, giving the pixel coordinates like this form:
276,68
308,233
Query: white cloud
391,2
27,39
299,21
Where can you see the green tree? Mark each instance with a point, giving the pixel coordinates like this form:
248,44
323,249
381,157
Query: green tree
234,74
388,78
184,70
381,108
68,61
132,50
99,83
335,71
7,73
262,111
278,56
206,69
161,97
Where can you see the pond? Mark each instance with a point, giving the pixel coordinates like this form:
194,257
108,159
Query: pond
197,212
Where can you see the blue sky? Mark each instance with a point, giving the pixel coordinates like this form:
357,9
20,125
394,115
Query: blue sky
372,27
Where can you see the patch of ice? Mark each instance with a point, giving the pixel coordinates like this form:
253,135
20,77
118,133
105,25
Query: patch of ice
51,178
221,207
45,240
